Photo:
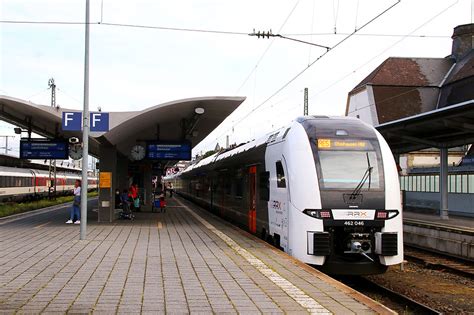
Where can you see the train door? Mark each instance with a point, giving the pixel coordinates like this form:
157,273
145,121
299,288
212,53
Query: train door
252,206
278,203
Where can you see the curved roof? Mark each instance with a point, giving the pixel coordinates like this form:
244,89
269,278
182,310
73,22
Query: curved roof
171,121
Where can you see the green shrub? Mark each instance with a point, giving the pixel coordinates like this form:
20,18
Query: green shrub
9,208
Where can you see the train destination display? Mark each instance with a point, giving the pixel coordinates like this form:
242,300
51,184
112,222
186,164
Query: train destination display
43,149
168,151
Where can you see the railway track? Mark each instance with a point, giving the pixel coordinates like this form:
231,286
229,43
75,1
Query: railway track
441,262
394,300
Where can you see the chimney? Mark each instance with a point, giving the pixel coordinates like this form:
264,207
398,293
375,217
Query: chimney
463,41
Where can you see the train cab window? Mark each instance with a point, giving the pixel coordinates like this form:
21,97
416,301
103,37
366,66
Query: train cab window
281,179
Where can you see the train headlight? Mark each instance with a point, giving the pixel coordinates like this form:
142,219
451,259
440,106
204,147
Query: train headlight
386,214
318,214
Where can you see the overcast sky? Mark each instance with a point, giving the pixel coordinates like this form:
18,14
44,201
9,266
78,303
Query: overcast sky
133,68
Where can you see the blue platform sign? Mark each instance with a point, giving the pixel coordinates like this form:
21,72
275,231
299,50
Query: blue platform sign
72,121
168,151
44,149
99,121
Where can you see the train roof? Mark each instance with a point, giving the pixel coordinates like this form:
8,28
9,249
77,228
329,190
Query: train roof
271,137
27,172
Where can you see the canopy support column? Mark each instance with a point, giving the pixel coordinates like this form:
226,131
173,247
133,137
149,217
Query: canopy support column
443,184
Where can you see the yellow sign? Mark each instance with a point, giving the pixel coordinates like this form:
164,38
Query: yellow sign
350,144
324,143
105,180
334,143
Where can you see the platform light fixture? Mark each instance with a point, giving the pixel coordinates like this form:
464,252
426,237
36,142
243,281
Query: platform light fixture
18,130
199,110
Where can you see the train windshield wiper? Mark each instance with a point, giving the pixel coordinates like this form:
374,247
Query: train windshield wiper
367,175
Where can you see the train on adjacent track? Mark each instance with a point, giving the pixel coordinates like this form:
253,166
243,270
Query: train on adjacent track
323,189
27,183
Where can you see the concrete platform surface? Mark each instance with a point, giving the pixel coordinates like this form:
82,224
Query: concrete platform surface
182,261
465,223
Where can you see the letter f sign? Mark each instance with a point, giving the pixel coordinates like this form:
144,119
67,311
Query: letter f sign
72,121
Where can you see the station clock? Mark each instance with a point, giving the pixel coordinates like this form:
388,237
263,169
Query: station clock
75,151
138,153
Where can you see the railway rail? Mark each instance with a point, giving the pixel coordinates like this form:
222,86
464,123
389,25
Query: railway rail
438,261
394,300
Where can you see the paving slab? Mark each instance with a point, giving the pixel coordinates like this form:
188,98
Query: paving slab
183,261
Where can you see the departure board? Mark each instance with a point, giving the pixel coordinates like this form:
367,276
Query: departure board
168,151
44,149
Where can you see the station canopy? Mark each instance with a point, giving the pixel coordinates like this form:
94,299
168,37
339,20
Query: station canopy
441,128
187,119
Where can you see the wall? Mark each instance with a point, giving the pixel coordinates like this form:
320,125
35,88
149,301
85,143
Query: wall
362,104
459,204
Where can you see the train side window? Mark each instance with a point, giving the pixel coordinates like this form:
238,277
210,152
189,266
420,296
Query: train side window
281,180
264,184
239,192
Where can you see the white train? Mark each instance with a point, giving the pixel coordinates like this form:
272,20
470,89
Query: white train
24,183
324,189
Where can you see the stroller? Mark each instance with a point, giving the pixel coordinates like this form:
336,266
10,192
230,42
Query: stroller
126,213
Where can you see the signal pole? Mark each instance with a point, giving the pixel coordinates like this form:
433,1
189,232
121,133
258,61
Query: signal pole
52,86
6,143
305,110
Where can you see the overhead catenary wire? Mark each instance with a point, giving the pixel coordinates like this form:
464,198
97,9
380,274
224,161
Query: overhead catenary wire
335,12
311,64
312,28
385,49
368,34
38,93
266,49
166,28
357,15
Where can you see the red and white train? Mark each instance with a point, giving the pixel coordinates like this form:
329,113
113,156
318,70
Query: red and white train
26,183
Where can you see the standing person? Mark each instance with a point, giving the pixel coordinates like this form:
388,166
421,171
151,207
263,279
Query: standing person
76,204
162,201
133,194
170,188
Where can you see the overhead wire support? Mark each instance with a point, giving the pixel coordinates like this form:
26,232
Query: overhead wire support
269,34
314,61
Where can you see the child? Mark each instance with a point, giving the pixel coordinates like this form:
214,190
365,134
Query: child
162,202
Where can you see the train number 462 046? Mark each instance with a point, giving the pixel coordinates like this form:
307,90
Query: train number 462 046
354,223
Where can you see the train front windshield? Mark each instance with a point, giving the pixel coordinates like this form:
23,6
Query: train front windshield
346,164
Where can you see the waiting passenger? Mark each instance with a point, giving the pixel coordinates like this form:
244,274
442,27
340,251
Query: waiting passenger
76,204
133,194
170,189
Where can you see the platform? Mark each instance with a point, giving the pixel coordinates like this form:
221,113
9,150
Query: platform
181,261
454,236
466,223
